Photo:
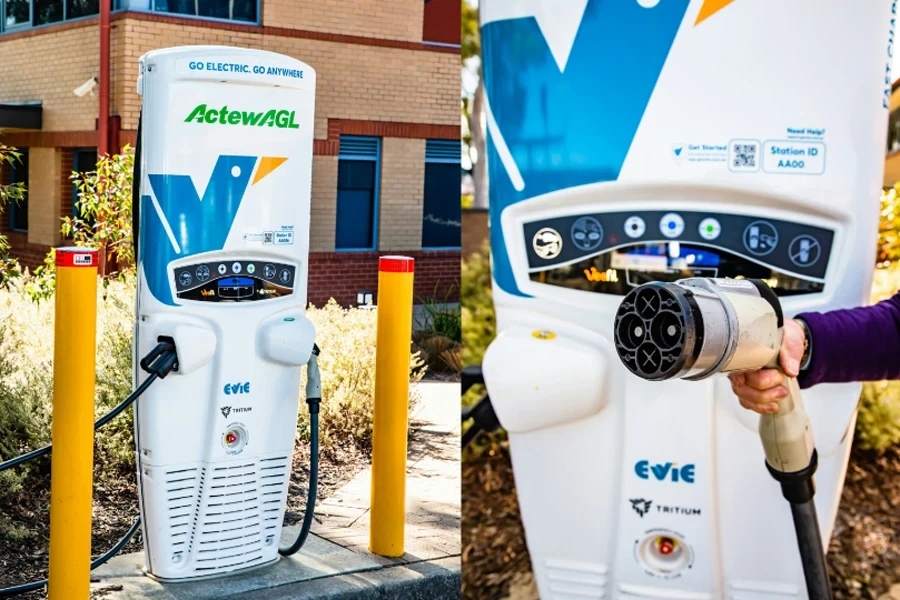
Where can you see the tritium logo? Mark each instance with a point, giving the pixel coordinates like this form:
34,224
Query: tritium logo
641,506
283,119
226,410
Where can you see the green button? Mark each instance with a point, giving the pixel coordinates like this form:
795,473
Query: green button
251,268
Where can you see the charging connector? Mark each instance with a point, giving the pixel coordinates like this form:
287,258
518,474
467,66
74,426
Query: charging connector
313,399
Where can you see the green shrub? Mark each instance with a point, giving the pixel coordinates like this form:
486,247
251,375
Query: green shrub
478,320
439,320
346,338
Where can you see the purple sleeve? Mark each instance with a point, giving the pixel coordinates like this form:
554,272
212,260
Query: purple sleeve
858,344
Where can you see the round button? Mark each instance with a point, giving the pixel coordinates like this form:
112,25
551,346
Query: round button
185,278
760,238
587,234
547,243
635,227
270,271
236,267
251,268
710,228
671,225
285,276
202,272
222,269
804,250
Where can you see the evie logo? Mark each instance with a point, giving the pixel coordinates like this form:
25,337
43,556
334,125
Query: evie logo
237,388
664,471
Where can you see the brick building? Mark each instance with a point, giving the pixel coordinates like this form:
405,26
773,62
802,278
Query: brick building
386,150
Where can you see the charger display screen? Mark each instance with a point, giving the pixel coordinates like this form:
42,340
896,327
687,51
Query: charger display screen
620,270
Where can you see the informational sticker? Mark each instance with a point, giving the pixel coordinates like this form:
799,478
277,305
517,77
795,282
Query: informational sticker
794,157
284,237
702,152
253,237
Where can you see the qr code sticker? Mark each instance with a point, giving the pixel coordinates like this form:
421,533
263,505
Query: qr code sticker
267,237
744,155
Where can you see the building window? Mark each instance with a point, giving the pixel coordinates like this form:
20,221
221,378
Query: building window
18,14
229,10
84,160
18,211
359,164
441,212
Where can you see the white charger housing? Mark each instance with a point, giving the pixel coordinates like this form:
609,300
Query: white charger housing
226,164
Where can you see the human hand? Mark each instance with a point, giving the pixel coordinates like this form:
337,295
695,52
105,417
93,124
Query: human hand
763,389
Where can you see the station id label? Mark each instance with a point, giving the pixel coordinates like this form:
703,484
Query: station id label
794,157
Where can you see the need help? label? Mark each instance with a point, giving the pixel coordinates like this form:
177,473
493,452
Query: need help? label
789,156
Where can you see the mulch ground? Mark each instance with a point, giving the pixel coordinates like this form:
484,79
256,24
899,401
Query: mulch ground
864,556
116,508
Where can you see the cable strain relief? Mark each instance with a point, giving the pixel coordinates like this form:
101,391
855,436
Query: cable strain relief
797,487
313,405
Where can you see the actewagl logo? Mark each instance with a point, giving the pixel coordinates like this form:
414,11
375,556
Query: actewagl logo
663,471
283,119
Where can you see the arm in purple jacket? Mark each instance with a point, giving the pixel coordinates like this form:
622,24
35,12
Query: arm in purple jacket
858,344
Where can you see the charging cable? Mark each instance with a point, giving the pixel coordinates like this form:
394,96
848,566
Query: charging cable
159,362
165,360
484,419
313,398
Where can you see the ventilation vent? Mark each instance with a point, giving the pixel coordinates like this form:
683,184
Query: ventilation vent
241,512
358,147
571,580
640,592
446,151
181,492
762,590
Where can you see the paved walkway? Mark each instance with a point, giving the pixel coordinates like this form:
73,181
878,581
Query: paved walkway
335,562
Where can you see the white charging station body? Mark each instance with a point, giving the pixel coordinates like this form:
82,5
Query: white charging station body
634,141
226,167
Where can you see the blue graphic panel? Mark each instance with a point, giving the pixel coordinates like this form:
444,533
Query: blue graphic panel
198,224
575,127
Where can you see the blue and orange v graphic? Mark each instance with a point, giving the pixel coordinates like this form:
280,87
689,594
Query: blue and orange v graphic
180,223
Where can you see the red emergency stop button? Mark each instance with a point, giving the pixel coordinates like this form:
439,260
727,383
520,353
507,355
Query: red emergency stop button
666,545
230,438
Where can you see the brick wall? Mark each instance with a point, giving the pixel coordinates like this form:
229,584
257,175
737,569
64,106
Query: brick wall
394,19
44,195
354,81
323,213
341,274
401,194
48,68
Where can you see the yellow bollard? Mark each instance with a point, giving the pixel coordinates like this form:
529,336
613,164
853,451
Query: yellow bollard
389,430
71,473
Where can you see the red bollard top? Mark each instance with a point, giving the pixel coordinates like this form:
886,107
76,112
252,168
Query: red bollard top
396,264
76,257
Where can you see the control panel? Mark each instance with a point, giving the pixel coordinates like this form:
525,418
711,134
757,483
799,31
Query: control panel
234,281
611,252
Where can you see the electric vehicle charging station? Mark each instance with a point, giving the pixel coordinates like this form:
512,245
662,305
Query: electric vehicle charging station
651,141
225,158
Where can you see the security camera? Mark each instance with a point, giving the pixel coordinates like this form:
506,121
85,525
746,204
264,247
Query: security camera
86,88
695,328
